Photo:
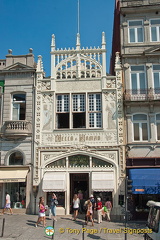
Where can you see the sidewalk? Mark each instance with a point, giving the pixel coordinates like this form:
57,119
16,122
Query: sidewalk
22,227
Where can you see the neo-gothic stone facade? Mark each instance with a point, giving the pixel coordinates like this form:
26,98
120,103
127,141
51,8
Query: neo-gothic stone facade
64,133
79,142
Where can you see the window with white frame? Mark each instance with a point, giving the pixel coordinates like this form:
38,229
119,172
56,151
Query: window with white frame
156,78
135,31
155,30
18,106
95,114
63,111
140,127
138,79
79,111
158,126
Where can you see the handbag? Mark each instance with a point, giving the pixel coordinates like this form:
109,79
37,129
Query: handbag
56,202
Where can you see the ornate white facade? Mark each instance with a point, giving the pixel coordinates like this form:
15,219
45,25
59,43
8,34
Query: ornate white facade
79,126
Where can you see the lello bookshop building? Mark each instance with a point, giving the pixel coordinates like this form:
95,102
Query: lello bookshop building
62,133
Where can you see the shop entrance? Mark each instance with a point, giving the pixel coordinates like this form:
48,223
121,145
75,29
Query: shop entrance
79,184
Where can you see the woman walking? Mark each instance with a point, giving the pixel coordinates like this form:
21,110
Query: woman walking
54,203
42,210
76,203
89,212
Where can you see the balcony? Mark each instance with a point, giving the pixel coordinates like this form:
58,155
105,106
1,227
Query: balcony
16,129
142,94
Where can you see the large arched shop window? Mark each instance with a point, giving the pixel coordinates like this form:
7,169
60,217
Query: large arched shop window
80,161
16,158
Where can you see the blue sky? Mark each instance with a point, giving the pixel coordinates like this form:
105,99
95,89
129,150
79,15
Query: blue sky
30,24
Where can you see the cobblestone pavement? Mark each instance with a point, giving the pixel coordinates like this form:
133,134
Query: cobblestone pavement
22,227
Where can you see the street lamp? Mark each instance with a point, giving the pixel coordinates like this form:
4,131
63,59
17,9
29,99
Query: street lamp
35,192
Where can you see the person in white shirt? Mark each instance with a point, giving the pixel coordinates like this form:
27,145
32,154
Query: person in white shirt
76,203
7,204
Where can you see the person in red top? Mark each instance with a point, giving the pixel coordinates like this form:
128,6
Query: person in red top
99,210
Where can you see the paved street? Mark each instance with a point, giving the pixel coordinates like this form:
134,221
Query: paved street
22,227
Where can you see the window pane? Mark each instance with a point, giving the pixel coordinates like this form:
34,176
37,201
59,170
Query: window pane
158,117
135,23
140,34
144,131
98,102
132,35
78,161
15,113
154,33
91,119
91,102
156,67
137,68
136,132
134,81
98,119
142,80
156,80
155,21
139,117
158,131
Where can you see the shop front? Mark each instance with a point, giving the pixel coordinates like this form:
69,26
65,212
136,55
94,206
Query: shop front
145,187
82,179
13,181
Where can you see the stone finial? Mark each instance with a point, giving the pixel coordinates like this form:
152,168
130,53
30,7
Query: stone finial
10,51
103,38
53,45
78,41
31,50
39,64
117,61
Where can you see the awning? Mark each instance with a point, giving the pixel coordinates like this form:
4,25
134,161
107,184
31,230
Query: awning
145,180
103,181
54,182
13,175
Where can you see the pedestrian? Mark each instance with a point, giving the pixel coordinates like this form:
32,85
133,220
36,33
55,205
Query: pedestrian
99,210
108,206
89,214
54,203
93,201
42,210
80,196
7,203
76,203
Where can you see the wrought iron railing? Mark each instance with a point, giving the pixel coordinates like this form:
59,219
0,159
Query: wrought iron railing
142,94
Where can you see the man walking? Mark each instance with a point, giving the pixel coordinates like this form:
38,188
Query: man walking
8,203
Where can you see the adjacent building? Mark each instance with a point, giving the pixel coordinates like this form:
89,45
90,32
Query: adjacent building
17,86
137,38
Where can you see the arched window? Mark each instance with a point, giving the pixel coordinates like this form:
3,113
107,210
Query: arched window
16,158
140,127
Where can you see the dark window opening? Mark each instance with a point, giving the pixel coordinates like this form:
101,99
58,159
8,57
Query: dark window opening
63,120
79,120
16,158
